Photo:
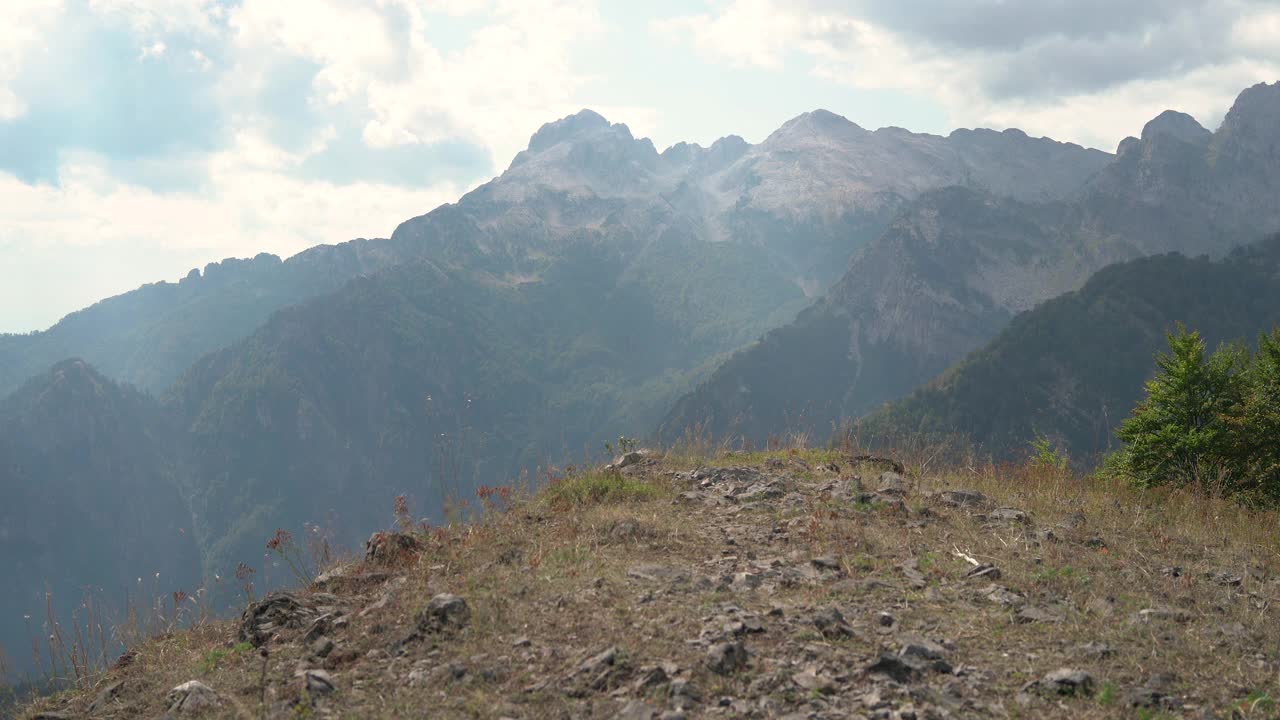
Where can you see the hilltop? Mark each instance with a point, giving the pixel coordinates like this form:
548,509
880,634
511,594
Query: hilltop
793,583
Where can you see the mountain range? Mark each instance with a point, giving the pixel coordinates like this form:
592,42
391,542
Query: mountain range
958,263
593,289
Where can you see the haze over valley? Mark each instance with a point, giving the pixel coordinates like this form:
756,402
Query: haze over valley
610,315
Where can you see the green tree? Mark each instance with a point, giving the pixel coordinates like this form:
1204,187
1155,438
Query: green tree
1182,432
1257,429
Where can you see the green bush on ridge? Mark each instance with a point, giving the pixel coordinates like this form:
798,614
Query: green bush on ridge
1209,421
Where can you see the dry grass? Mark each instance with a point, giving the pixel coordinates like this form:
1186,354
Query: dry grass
552,572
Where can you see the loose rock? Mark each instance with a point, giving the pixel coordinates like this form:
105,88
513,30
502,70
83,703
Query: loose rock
192,696
278,610
444,612
385,548
891,483
1009,515
962,498
727,657
318,682
832,625
899,668
1067,681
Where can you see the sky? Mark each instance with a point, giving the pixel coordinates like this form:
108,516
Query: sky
142,138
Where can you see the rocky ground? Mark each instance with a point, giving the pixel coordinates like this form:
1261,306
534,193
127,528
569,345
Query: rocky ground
795,584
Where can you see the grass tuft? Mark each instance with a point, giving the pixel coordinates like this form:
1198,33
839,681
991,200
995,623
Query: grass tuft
600,487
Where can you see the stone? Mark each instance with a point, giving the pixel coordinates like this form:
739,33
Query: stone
985,571
1155,693
813,682
319,627
1223,577
1093,650
892,483
1001,595
444,612
1067,681
653,676
1034,614
710,477
1162,613
637,710
630,458
832,625
922,648
760,492
604,658
684,693
624,531
727,658
826,563
321,647
278,610
192,696
318,682
106,697
897,667
386,548
962,498
1009,515
657,573
604,671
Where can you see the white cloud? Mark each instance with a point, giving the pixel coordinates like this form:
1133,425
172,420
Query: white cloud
1091,84
375,61
26,24
251,204
363,64
154,50
743,32
511,77
201,60
148,17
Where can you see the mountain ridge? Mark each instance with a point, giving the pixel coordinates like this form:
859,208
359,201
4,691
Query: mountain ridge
571,176
1071,369
900,315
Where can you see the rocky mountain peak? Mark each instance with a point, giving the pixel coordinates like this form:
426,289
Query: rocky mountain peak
822,123
1253,123
1255,104
580,147
1178,125
584,122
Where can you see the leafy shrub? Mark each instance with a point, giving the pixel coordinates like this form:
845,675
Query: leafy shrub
1045,455
1208,421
